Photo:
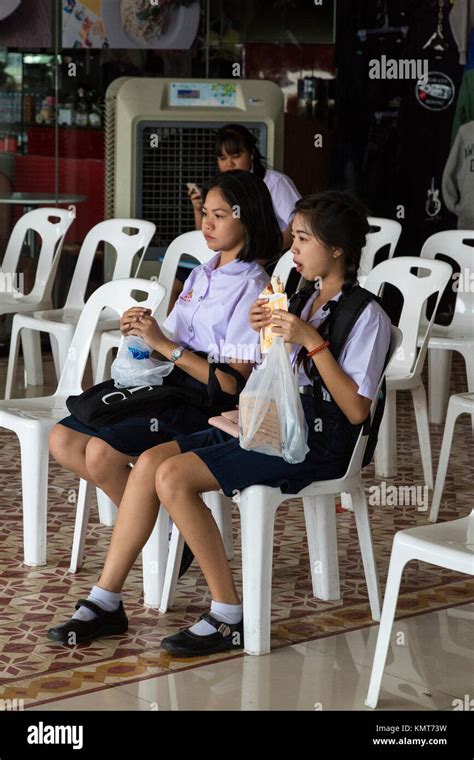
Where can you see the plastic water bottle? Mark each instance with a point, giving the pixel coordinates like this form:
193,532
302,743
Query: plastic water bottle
137,347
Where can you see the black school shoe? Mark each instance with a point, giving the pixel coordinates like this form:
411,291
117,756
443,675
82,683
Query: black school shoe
186,560
187,644
83,631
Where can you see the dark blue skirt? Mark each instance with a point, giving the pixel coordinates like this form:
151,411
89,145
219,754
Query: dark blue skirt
235,468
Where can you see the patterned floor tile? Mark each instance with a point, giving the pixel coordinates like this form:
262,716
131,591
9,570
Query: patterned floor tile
34,599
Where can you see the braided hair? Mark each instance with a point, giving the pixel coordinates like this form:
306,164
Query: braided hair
338,220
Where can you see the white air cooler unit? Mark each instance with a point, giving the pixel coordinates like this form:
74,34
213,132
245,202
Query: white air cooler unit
160,134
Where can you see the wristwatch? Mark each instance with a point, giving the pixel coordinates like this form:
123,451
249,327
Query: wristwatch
176,353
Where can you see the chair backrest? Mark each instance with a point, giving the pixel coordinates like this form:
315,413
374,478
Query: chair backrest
455,245
127,246
191,243
417,280
114,296
284,266
51,224
385,232
355,464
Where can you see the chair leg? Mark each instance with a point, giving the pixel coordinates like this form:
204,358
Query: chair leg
397,563
34,478
346,501
80,526
55,354
386,449
257,528
320,517
154,556
439,378
364,533
12,358
423,428
221,508
175,554
107,509
451,418
31,344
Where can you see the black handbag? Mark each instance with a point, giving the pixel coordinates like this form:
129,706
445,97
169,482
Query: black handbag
104,404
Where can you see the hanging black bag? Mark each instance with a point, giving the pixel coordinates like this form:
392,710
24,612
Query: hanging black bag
104,404
336,328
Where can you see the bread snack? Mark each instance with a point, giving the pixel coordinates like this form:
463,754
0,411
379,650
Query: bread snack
268,433
277,299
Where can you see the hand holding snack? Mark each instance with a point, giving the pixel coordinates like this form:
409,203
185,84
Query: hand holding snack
277,299
260,314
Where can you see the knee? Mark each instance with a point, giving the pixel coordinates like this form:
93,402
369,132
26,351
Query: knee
60,438
101,460
169,480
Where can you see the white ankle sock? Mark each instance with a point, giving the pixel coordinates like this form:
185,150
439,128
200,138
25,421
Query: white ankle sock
108,600
227,613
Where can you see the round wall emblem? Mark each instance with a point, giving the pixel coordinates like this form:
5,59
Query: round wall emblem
435,93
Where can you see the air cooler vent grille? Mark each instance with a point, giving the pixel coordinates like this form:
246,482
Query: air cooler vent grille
110,139
169,155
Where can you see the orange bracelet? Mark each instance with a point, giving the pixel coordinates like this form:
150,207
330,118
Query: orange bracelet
324,345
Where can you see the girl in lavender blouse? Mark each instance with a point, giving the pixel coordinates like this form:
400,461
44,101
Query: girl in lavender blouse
329,231
210,317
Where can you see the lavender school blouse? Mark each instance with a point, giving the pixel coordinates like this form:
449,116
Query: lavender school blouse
211,314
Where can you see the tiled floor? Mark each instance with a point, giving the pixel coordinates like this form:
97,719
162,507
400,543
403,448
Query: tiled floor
429,666
321,652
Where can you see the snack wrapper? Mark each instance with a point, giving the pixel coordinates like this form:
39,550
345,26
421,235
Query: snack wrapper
277,299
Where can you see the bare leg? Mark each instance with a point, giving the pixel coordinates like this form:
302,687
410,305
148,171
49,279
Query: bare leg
108,468
92,459
68,447
136,516
179,483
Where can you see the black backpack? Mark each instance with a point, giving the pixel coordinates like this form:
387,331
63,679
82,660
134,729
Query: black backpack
335,328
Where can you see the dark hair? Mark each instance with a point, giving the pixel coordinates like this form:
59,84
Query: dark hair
252,198
338,220
234,138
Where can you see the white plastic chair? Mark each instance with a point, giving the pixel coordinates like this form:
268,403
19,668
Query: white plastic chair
51,224
459,335
32,418
60,323
459,403
449,545
405,370
385,232
258,505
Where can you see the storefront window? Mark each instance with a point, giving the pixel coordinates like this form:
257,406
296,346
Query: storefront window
59,57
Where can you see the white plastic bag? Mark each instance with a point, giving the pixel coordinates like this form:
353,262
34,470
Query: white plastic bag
133,364
271,416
